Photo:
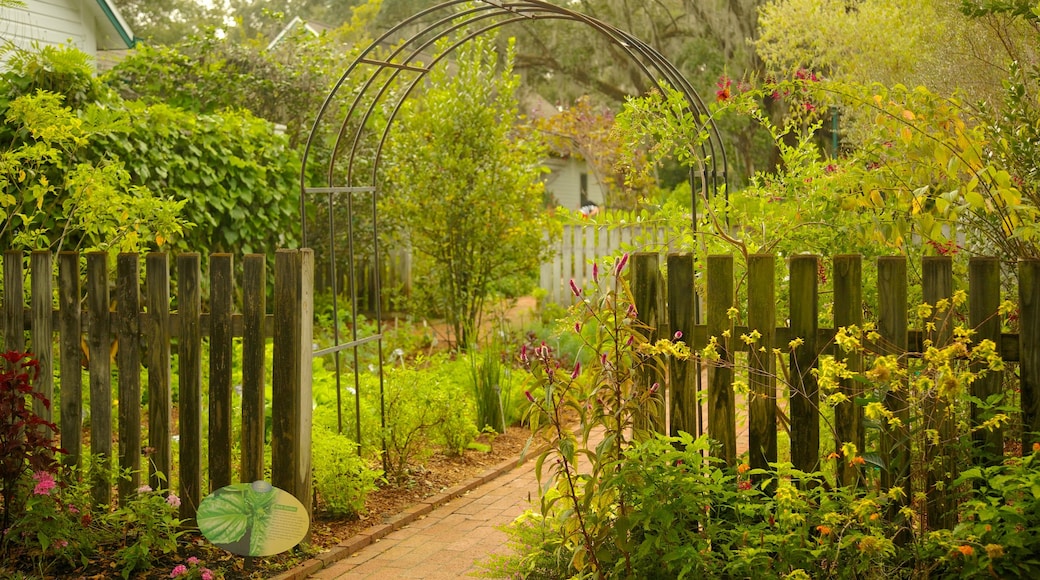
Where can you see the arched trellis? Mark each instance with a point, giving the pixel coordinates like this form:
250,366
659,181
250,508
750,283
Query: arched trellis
380,69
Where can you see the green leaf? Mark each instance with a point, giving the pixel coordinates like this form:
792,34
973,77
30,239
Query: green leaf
224,517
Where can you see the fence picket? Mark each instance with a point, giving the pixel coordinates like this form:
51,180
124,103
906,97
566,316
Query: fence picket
682,384
160,397
721,402
290,380
189,372
14,307
937,285
762,436
983,310
222,290
254,310
1029,350
646,285
99,365
804,391
42,328
848,311
70,354
128,331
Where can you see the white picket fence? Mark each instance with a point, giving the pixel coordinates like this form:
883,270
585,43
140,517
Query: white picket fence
583,245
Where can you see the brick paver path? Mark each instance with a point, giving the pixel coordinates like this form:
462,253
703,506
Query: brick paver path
450,539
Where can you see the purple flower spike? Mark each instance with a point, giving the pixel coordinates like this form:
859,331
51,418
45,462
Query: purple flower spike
577,370
529,396
621,265
595,271
574,288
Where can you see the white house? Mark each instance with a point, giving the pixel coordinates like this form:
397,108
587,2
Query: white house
89,25
571,183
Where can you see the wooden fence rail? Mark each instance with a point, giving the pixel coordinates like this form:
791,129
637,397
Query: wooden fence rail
803,398
93,330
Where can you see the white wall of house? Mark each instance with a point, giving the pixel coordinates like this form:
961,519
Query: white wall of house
80,23
564,182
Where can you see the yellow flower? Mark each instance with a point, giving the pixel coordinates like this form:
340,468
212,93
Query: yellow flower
994,551
743,468
795,343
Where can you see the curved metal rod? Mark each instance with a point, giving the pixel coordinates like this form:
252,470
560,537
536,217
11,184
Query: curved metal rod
621,39
394,74
624,40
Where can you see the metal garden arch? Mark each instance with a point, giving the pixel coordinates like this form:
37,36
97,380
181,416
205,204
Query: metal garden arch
347,125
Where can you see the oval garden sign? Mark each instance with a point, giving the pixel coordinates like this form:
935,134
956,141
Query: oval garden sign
253,519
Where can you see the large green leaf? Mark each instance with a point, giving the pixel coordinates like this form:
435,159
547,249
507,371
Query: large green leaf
224,517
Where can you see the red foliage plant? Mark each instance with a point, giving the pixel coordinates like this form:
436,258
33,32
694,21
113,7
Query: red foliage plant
26,439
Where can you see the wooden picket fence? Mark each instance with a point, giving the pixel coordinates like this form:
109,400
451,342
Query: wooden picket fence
584,244
95,328
670,309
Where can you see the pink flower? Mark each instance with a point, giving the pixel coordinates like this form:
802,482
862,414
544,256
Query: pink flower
207,574
144,489
44,483
621,265
173,500
73,509
678,335
179,570
193,561
61,544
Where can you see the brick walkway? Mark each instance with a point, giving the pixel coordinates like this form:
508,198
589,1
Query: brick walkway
441,537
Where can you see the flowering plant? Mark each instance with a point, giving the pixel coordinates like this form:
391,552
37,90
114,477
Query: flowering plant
193,569
147,525
26,438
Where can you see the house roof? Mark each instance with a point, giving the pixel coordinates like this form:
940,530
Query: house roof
113,31
315,28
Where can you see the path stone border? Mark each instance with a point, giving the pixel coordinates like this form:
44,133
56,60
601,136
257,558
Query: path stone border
411,514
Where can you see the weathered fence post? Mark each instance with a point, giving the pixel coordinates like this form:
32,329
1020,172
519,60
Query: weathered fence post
1028,340
805,393
721,405
70,354
14,307
983,312
43,328
682,373
128,335
157,342
646,290
936,285
221,306
99,345
892,327
291,375
189,300
848,311
762,446
254,309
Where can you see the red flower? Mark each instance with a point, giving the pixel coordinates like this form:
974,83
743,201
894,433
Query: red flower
723,93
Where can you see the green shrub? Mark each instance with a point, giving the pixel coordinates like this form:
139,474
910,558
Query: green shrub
425,407
342,479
